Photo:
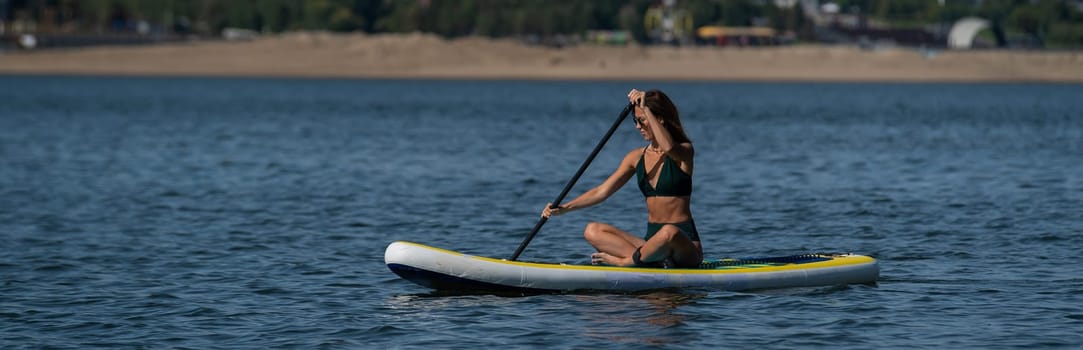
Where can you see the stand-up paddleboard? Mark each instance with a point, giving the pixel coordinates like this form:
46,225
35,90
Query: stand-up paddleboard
447,270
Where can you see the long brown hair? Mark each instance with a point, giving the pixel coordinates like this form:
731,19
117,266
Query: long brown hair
663,108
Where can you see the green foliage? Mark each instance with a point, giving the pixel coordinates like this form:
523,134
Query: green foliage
1066,35
740,12
1057,22
905,10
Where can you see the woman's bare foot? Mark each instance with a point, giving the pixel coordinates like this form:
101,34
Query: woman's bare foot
601,258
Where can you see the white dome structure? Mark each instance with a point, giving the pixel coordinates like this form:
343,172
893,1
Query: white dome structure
963,32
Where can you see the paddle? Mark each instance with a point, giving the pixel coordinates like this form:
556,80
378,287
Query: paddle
568,187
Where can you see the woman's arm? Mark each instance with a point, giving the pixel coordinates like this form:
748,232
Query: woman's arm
680,152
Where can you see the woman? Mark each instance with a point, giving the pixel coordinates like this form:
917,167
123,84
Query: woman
663,171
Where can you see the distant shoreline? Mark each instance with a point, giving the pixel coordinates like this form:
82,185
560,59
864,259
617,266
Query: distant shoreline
4,73
424,56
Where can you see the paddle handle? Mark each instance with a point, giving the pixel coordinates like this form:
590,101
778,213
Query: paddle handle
571,183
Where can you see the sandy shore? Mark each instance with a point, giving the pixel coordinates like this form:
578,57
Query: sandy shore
428,56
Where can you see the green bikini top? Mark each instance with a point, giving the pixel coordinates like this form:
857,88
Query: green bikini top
672,181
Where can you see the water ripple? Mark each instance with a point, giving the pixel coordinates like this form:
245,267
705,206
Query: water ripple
253,213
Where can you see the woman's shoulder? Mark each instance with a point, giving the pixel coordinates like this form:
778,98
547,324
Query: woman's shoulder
685,155
632,157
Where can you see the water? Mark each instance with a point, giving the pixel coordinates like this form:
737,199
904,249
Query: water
253,213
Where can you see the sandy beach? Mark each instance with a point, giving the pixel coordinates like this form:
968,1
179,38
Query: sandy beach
424,56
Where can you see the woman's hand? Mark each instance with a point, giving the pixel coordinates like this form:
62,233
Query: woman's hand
636,97
550,211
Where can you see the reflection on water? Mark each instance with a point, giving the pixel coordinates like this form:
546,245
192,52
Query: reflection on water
443,300
650,318
647,318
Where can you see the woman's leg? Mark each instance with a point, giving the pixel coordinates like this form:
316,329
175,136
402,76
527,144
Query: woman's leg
671,243
611,242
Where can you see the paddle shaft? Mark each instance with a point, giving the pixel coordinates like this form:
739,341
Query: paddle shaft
571,183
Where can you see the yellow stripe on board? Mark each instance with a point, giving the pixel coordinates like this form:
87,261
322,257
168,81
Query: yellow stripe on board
836,261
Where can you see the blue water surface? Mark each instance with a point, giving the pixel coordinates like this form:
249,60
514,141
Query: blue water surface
253,213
